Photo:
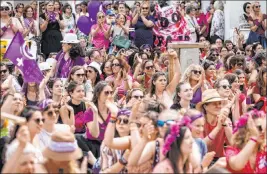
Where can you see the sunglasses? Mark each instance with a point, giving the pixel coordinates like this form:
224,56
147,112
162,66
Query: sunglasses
108,93
123,121
138,97
161,123
115,64
100,17
226,86
50,113
80,75
4,8
145,8
196,72
239,64
39,120
257,6
149,67
3,71
240,53
215,55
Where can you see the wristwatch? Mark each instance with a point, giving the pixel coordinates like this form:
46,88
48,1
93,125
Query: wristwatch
123,161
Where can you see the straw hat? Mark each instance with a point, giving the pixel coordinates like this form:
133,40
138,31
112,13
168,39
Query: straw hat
208,96
70,38
63,147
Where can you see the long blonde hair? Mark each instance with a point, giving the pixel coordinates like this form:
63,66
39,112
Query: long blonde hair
187,74
252,12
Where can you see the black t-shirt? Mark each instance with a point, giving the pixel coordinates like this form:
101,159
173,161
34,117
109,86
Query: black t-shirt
177,106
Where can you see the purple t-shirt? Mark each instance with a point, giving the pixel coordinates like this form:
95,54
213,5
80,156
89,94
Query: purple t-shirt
63,67
197,96
88,117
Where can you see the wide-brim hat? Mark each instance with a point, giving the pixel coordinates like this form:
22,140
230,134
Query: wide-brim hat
63,147
208,96
96,66
70,38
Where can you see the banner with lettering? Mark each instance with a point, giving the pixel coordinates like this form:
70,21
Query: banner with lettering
18,53
171,26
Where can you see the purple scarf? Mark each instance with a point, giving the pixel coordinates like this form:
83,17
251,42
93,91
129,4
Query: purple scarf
27,22
66,67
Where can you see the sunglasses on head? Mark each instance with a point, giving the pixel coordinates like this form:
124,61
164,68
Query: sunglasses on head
226,86
122,120
196,72
39,120
80,75
161,123
149,67
3,71
138,97
115,64
108,93
4,8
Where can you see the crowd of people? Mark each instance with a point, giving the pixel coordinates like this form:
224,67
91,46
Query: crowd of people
116,100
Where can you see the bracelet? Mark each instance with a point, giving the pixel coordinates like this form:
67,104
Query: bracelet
254,139
210,137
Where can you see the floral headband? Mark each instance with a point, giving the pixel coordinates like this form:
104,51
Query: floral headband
242,122
174,133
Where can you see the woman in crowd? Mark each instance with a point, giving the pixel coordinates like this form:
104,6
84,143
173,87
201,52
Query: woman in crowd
122,10
241,80
243,19
260,85
9,25
120,28
100,32
69,56
120,78
31,28
134,95
51,25
194,75
247,154
256,47
143,23
96,118
56,89
34,123
106,68
82,10
210,72
31,93
57,6
257,21
68,19
217,25
93,74
162,91
34,5
177,147
192,23
183,97
50,112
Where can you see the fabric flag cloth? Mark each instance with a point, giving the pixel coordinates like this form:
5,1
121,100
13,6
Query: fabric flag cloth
171,26
18,54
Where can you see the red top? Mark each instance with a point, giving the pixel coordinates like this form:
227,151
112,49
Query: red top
217,144
260,165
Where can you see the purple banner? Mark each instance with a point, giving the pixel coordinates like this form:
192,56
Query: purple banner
18,54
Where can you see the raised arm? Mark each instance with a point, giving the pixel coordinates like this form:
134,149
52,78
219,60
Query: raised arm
176,78
93,125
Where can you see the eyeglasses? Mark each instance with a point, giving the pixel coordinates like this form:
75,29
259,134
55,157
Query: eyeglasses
149,67
50,113
226,86
161,123
196,72
138,97
240,53
3,71
145,8
100,17
123,121
4,8
115,64
215,55
108,93
80,75
257,6
39,120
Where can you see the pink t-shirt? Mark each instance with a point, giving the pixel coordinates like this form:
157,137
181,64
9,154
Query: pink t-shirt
99,40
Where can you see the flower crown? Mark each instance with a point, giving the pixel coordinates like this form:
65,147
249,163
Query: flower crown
174,133
242,122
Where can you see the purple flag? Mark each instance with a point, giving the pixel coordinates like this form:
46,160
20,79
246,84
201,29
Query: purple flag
18,54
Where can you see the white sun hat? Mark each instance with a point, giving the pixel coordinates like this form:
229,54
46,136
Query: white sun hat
96,66
51,61
70,38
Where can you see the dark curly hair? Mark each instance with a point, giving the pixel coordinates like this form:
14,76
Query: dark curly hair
76,51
